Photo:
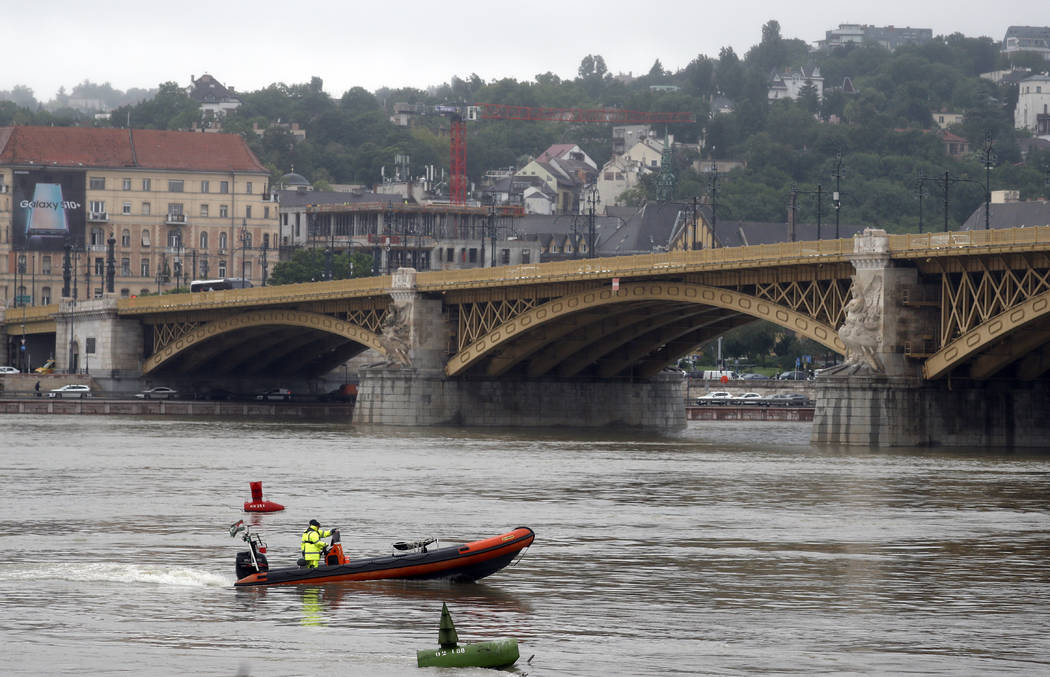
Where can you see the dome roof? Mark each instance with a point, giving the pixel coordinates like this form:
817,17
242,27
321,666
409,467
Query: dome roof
293,179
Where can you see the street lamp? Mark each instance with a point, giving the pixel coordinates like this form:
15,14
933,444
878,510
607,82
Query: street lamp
988,163
837,195
592,201
245,236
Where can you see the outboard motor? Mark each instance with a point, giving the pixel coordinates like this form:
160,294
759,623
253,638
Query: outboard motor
253,560
245,566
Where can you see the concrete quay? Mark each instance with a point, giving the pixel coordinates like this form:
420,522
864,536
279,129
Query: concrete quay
94,406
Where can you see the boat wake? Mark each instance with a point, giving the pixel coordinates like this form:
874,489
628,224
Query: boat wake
118,573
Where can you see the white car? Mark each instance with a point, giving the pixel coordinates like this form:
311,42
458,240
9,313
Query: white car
8,370
71,390
749,398
275,394
717,397
158,393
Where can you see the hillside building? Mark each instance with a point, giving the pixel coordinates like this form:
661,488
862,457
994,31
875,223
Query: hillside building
1033,105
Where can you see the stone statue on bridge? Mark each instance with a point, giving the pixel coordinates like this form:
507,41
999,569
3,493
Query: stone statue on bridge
396,336
862,329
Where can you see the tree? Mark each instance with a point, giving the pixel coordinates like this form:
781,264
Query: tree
311,265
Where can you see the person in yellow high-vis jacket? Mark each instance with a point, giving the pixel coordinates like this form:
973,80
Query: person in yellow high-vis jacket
312,543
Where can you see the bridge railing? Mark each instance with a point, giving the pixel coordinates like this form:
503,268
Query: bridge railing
1000,238
641,265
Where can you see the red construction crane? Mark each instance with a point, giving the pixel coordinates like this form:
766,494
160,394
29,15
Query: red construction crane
497,111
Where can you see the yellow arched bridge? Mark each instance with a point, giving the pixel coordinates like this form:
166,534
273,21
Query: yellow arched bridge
987,294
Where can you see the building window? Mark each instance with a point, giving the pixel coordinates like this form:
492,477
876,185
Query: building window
204,241
222,269
145,268
266,212
246,239
144,292
125,208
97,237
97,183
45,295
248,188
224,186
97,207
125,267
145,208
125,238
89,345
222,241
204,210
174,186
204,186
174,239
45,265
473,255
247,211
175,211
246,270
126,183
125,293
526,255
147,184
224,211
145,238
100,265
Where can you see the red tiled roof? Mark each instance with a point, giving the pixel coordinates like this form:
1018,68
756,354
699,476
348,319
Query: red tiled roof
116,148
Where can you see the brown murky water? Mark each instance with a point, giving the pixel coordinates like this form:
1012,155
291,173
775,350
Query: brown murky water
732,548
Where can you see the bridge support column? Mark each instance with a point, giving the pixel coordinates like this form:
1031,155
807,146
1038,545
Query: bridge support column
420,398
411,389
873,398
90,337
909,412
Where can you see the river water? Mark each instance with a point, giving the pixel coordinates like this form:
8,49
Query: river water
728,549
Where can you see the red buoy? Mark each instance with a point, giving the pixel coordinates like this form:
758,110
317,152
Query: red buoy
257,504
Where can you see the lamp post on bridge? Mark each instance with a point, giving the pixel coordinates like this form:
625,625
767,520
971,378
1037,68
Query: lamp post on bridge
945,183
795,192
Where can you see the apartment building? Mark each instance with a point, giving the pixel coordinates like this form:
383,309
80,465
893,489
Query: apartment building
171,206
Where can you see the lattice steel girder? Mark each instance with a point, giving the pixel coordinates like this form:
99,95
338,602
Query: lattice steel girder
607,345
276,317
972,297
649,292
975,341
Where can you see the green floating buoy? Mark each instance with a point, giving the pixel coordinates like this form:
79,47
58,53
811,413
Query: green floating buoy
497,653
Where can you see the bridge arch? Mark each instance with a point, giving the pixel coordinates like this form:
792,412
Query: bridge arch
315,322
652,292
1025,325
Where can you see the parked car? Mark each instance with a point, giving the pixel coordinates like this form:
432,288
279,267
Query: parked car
789,400
717,397
749,398
753,377
279,394
8,370
158,393
794,376
71,390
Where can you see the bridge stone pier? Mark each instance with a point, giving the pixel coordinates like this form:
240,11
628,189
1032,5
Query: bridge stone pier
879,397
411,388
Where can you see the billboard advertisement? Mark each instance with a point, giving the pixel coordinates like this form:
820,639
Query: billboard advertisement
47,209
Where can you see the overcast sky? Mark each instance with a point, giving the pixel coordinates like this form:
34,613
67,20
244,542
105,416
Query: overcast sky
408,43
